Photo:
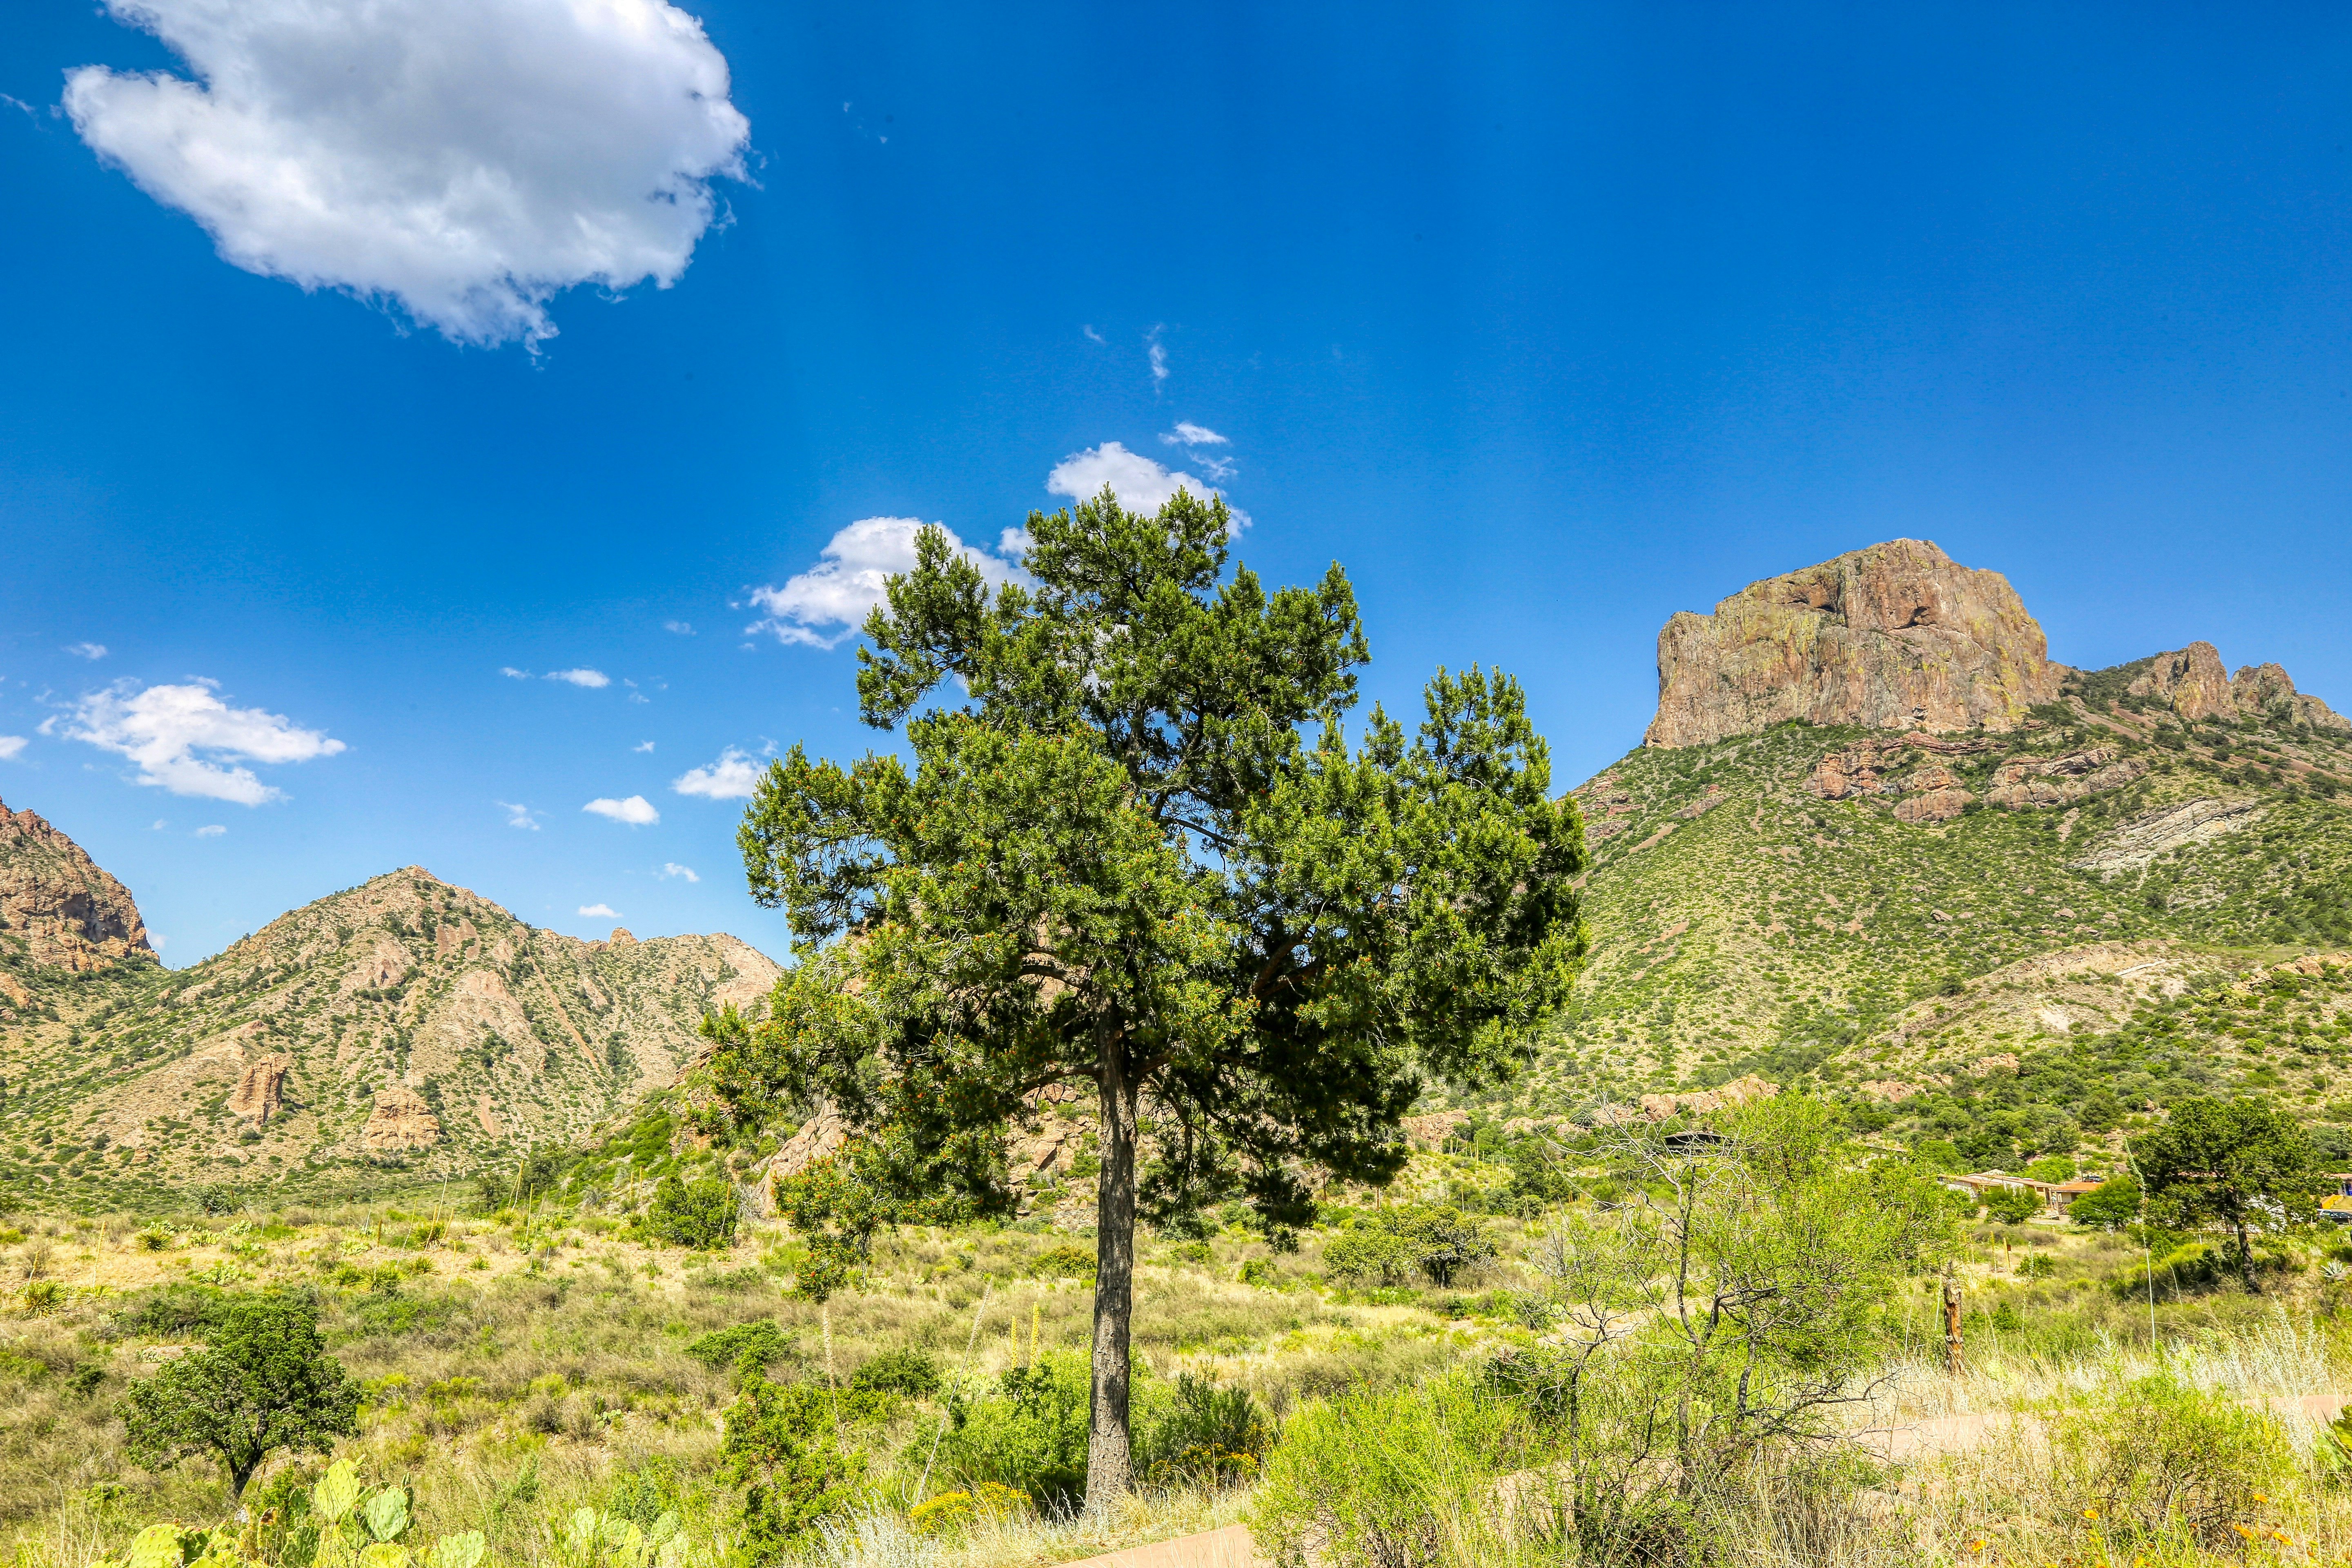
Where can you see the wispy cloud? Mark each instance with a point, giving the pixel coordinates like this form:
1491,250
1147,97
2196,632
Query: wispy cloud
1188,434
210,830
734,776
1092,336
683,629
593,680
1159,355
645,746
636,810
10,745
846,583
602,911
518,815
187,740
672,869
92,651
511,673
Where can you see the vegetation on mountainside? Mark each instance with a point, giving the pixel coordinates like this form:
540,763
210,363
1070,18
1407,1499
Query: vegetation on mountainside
119,1083
1743,924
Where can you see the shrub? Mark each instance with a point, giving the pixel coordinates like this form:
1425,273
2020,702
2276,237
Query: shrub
2110,1205
1367,1258
762,1341
2012,1205
2157,1452
1029,1433
1204,1434
1400,1477
951,1513
779,1448
699,1214
1065,1261
903,1371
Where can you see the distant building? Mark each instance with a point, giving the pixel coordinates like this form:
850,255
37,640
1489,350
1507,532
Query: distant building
2057,1196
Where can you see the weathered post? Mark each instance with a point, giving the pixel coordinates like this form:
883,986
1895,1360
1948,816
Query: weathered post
1951,1322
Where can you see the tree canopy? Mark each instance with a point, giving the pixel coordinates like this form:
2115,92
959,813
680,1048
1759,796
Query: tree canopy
262,1382
1139,850
2235,1164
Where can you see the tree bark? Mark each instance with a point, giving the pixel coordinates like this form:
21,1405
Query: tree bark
2245,1252
1110,1464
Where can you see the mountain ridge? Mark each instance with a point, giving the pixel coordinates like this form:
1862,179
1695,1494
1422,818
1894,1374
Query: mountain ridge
402,1029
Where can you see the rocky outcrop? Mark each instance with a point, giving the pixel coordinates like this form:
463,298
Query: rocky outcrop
58,904
2263,692
2023,782
260,1093
1895,635
399,1121
1861,768
2160,832
2193,684
1695,1102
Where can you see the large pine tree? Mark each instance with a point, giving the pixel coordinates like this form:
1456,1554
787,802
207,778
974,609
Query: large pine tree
1138,852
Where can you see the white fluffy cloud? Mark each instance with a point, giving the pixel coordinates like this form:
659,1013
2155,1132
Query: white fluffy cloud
467,159
846,581
734,776
1139,483
636,811
10,745
591,678
672,869
187,740
602,911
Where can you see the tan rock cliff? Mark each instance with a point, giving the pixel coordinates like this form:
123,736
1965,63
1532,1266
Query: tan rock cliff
58,903
2191,682
1895,635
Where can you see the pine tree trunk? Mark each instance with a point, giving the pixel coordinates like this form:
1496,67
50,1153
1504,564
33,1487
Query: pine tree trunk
1110,1466
2245,1254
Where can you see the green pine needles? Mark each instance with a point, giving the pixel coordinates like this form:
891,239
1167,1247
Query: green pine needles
1137,850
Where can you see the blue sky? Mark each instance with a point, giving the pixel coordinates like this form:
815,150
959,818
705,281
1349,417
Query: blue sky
1545,320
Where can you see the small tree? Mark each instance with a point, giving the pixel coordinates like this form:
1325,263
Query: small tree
780,1449
262,1382
2234,1164
2111,1206
2012,1205
1140,854
699,1214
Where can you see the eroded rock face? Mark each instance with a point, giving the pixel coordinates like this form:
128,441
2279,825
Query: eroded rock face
1895,635
2023,782
59,903
2191,680
400,1120
260,1093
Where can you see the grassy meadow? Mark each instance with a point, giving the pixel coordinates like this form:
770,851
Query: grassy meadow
2121,1400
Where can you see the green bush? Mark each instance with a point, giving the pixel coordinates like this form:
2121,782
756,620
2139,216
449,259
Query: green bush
2156,1453
1371,1258
699,1214
1029,1432
1203,1434
1402,1477
2110,1205
1065,1261
2012,1205
903,1371
761,1340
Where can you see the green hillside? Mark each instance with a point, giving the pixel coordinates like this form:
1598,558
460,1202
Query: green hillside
1743,924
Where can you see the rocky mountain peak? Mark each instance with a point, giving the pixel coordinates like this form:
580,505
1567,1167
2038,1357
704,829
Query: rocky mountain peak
1897,636
2192,683
58,906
